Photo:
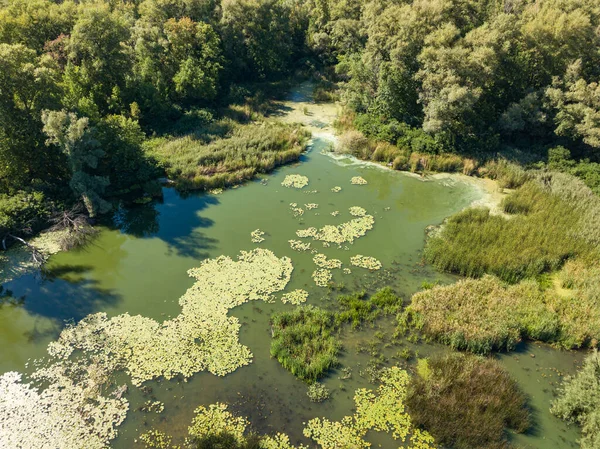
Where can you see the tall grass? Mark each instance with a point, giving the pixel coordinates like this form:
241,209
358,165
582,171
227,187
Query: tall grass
238,156
555,219
466,402
483,315
303,342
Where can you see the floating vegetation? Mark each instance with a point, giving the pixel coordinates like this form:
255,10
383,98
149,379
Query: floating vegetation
336,189
216,191
311,206
322,277
346,271
66,414
214,426
335,213
151,406
365,262
201,338
295,297
358,211
382,410
321,261
257,236
357,180
299,245
310,192
295,181
297,211
344,233
318,392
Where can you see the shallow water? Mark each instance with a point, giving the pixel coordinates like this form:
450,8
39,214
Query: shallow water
139,261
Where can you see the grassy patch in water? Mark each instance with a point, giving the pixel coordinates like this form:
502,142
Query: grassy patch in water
304,339
206,161
476,395
578,401
304,342
555,218
482,315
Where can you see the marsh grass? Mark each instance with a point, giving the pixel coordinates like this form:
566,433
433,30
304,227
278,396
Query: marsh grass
304,342
484,315
466,402
227,154
551,223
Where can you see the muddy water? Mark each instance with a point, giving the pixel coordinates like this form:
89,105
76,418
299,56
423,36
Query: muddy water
139,261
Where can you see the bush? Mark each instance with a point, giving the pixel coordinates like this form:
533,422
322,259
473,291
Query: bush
578,401
466,402
354,143
23,213
303,342
508,174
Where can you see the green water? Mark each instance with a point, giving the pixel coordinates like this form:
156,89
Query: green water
139,261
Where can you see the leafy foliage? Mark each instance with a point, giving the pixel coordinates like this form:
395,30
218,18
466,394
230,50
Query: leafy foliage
578,401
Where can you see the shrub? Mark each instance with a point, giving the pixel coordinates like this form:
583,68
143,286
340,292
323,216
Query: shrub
354,143
578,401
303,342
508,174
23,212
466,402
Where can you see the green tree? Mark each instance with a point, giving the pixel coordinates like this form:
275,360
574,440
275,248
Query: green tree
27,85
98,60
74,137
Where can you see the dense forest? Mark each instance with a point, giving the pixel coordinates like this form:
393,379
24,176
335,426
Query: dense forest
85,84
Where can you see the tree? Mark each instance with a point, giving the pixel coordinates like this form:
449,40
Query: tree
73,136
98,61
28,83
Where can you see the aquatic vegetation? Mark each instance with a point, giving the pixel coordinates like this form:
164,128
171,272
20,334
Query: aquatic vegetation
215,427
355,309
151,406
475,394
295,297
201,338
299,245
578,401
217,191
311,206
247,151
303,342
322,277
382,410
68,414
554,218
322,261
482,315
335,213
336,189
257,236
343,233
318,392
296,211
365,262
357,180
358,211
295,181
346,270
